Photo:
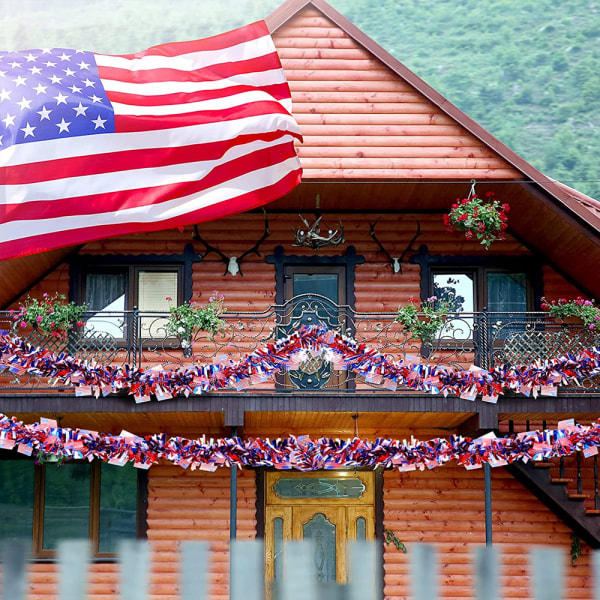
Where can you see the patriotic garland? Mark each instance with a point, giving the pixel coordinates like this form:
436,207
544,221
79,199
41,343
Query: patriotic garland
301,453
89,378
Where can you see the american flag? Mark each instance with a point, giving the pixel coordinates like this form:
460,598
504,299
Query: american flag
94,146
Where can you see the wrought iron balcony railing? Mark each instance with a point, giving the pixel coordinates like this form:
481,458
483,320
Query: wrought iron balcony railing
139,339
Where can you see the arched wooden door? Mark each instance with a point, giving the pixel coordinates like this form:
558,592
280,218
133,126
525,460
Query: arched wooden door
328,508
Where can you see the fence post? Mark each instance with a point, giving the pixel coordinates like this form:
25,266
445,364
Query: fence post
546,566
299,582
486,573
364,571
133,556
73,565
247,577
194,570
596,573
14,561
424,572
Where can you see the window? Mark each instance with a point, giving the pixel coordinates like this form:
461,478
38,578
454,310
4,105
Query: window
474,289
45,504
471,289
110,291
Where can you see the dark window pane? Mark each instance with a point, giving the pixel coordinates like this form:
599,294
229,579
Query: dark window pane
105,291
66,503
324,284
16,500
105,295
118,504
507,292
361,529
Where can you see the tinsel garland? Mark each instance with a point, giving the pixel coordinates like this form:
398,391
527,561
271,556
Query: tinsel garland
302,453
90,378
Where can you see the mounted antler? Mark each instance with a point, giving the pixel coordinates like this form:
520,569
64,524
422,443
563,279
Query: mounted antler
312,237
233,263
395,262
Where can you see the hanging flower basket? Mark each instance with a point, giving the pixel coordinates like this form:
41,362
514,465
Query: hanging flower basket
485,220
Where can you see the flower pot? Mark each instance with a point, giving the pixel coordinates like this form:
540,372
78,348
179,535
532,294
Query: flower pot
573,321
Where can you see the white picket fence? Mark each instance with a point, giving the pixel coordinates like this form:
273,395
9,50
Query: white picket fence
298,582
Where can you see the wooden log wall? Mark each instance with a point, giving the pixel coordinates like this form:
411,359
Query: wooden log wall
445,507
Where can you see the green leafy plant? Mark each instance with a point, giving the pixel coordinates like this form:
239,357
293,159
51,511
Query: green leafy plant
562,309
576,550
51,315
392,538
484,219
424,320
188,318
47,458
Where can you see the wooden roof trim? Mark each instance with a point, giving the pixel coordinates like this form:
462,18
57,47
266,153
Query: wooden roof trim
558,192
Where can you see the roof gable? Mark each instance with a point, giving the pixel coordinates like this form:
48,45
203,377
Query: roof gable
362,118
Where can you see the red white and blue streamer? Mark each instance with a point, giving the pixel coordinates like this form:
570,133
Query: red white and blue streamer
344,353
302,453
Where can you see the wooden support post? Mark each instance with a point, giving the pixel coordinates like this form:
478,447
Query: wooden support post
488,503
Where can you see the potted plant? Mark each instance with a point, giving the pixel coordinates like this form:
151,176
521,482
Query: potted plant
425,319
190,317
485,220
52,315
573,310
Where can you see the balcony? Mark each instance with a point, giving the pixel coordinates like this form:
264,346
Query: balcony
139,339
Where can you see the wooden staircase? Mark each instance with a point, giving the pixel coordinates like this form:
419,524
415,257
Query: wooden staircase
564,494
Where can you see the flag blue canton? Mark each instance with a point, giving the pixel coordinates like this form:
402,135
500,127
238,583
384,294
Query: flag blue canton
50,94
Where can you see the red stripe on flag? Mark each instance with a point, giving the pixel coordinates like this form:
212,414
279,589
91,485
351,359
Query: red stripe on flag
279,91
215,72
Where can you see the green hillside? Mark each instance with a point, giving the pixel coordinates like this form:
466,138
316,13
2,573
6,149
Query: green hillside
526,70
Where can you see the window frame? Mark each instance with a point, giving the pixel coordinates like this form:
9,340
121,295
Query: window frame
530,265
131,280
131,266
37,541
480,281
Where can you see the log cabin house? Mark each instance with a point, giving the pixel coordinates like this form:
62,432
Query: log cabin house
384,157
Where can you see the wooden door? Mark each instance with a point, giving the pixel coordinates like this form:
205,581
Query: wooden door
328,508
